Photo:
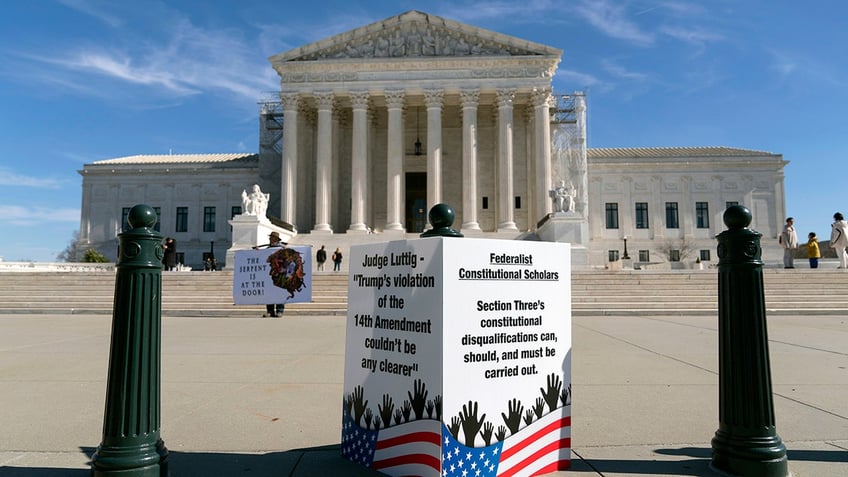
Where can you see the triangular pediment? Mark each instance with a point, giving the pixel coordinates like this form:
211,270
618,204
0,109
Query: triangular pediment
416,34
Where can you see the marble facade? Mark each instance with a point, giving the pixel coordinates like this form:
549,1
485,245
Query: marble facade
379,123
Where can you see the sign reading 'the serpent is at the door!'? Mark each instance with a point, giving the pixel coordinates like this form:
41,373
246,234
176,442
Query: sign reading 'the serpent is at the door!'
458,357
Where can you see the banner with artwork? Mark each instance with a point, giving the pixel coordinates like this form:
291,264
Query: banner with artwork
272,275
458,357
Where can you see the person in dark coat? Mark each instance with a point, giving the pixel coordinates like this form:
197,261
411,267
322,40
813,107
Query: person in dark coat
170,258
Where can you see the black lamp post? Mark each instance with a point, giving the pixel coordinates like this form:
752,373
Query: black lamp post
625,257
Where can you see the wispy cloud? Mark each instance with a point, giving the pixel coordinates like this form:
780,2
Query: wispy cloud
621,72
90,9
184,60
612,20
26,216
530,10
10,178
782,62
694,36
575,80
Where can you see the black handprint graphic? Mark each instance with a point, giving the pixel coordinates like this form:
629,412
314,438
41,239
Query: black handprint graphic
486,433
368,416
565,396
453,428
513,420
358,404
539,408
470,423
419,399
406,410
551,395
386,409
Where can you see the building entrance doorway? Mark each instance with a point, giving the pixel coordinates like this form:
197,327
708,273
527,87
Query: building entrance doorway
416,201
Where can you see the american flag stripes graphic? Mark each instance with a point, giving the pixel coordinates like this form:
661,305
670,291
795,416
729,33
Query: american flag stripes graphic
416,449
407,449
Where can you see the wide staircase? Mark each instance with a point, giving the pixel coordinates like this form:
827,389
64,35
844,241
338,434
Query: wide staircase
209,294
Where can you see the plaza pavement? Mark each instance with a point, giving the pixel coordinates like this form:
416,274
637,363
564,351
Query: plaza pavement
261,397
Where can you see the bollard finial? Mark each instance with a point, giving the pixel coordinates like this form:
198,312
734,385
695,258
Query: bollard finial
441,218
737,217
142,216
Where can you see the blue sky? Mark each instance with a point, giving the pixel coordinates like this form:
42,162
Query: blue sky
85,80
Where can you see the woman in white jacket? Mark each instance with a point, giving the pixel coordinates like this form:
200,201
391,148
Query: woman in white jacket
839,239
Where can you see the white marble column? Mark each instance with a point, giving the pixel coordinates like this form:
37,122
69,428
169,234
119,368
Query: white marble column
530,167
288,189
394,161
470,100
505,149
359,162
323,161
542,133
433,99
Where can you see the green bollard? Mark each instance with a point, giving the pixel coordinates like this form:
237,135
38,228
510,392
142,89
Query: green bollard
131,446
746,442
441,218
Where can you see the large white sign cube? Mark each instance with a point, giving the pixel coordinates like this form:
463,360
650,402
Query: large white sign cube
458,357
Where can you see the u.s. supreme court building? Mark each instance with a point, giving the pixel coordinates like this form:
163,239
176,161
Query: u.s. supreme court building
374,126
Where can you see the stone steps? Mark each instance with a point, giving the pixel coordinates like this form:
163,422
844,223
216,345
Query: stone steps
676,292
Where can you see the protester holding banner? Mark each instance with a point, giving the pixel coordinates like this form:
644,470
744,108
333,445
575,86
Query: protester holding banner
273,310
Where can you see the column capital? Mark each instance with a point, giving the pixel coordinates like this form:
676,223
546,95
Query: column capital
324,100
289,101
359,99
394,98
542,97
505,97
470,98
434,98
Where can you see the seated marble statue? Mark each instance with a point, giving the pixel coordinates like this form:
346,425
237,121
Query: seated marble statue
563,198
255,203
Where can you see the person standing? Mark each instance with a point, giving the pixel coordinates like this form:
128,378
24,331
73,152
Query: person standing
789,241
337,260
813,251
321,257
273,310
170,258
839,239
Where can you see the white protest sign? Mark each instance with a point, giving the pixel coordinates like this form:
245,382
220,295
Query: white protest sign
272,275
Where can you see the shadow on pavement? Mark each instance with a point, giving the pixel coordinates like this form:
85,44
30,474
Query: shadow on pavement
311,461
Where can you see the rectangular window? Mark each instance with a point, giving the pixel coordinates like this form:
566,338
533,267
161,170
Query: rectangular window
613,255
158,211
644,255
182,220
641,215
705,255
671,218
730,203
209,219
485,202
612,215
236,210
180,256
674,255
517,202
702,215
125,224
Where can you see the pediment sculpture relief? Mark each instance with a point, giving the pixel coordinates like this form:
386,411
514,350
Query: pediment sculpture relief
415,40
